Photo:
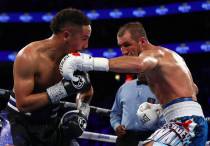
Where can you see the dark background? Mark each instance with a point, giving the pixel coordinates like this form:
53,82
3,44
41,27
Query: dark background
160,30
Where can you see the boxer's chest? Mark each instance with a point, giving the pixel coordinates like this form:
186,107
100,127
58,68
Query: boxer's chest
48,75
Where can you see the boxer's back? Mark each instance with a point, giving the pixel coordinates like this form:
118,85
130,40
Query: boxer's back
171,79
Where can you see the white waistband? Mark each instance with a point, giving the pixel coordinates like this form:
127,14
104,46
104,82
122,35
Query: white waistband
181,109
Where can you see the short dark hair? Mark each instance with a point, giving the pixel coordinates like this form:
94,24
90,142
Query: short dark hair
68,16
135,28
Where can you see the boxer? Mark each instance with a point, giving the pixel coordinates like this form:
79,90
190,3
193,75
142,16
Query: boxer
38,85
167,75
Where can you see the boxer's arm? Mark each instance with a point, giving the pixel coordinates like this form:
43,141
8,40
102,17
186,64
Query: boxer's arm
83,100
125,64
66,88
23,72
85,96
131,64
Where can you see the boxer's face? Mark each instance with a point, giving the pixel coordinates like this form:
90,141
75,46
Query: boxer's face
79,41
129,47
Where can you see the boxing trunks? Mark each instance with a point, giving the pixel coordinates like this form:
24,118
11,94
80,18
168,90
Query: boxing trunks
185,125
39,128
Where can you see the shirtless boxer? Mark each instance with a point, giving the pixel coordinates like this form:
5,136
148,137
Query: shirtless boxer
38,84
168,77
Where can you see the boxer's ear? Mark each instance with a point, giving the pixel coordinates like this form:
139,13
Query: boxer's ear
142,41
66,34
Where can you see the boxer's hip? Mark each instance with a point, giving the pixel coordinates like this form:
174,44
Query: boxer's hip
185,124
45,114
182,107
29,129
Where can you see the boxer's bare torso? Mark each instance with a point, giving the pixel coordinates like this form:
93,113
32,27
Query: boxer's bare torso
166,72
36,69
171,78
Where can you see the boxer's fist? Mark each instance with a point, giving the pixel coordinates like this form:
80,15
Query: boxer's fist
82,62
148,114
4,98
73,124
83,83
68,87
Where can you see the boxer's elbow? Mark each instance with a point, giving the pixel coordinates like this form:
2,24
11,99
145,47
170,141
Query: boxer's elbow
90,92
22,106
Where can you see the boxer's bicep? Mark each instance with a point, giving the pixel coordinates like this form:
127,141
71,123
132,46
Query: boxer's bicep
23,78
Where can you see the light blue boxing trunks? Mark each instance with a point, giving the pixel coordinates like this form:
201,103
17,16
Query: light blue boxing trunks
185,125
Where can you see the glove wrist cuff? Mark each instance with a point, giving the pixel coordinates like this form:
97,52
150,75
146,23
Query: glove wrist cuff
56,92
101,64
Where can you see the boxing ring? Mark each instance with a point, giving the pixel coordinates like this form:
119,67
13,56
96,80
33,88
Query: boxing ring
88,135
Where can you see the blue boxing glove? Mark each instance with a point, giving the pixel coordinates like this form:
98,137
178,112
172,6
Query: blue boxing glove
82,62
68,87
72,124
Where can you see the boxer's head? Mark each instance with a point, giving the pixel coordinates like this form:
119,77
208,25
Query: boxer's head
73,26
131,38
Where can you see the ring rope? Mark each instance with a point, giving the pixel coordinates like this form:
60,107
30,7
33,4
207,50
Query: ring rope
99,110
98,137
93,109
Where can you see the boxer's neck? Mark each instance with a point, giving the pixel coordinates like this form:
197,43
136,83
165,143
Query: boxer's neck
57,49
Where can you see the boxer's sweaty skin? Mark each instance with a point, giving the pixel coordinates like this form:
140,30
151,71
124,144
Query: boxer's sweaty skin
166,72
36,67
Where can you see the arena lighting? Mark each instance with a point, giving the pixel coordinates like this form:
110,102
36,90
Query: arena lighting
181,48
117,77
118,13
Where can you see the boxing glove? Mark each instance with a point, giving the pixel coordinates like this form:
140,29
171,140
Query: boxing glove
72,124
83,62
68,87
148,114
